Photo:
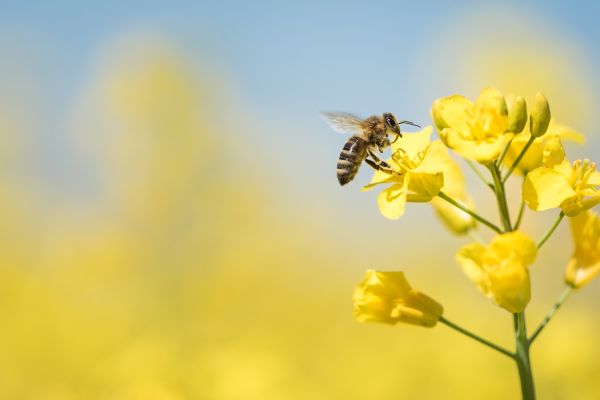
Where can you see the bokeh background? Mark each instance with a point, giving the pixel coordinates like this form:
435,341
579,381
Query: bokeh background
171,225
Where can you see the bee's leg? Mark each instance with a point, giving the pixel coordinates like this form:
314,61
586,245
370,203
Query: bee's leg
385,145
378,164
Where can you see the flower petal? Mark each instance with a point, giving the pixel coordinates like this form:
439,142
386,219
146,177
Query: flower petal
492,99
514,245
553,153
480,151
594,178
424,187
435,159
392,201
545,188
565,133
470,258
380,177
387,297
452,111
510,286
418,309
413,143
585,262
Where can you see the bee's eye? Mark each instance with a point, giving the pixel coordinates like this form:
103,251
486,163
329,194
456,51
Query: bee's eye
390,122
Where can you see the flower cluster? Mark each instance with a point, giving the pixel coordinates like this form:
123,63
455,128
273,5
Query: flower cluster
490,137
490,133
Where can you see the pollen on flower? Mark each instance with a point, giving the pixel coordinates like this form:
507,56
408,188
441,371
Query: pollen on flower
582,170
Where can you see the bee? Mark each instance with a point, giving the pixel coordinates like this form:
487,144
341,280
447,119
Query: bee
369,136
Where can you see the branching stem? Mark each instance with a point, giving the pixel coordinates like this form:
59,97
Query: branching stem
476,337
551,230
518,159
563,297
470,212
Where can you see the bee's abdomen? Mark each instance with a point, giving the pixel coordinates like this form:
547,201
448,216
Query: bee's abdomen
351,157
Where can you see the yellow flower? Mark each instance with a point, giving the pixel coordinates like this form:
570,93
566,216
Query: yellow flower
558,183
420,166
477,131
388,297
500,269
585,262
533,157
456,220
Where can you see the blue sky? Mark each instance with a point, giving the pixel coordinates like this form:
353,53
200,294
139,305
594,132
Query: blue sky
308,53
285,61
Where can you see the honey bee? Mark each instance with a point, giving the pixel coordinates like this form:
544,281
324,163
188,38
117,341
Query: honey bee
368,136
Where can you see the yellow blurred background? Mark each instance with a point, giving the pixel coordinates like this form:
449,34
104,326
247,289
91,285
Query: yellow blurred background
172,227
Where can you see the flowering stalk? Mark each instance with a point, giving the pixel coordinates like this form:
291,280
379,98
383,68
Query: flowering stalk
501,197
487,132
522,357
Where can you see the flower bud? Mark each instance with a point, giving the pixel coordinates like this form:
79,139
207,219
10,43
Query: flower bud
540,116
517,116
388,297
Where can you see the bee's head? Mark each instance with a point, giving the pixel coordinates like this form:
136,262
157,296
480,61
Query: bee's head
393,126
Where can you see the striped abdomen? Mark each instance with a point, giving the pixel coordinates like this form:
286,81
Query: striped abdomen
352,155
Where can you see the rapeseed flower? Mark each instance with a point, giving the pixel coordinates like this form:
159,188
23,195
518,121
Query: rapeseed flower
477,131
558,183
388,297
500,269
420,165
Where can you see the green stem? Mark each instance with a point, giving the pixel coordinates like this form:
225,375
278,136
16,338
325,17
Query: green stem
499,162
501,198
468,211
520,216
518,160
476,337
479,174
522,358
551,230
563,297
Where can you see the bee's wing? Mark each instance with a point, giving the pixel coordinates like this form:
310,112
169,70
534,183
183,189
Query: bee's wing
343,122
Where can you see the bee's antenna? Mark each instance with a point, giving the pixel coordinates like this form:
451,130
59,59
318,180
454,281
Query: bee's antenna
409,123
